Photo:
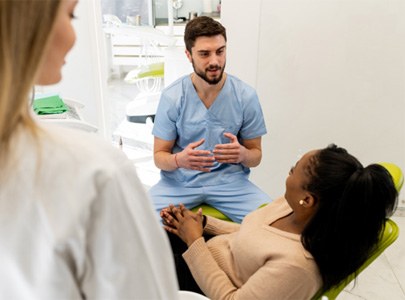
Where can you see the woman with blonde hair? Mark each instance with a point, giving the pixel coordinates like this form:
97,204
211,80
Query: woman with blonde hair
68,200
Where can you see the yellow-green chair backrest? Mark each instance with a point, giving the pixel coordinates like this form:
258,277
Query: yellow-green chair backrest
396,173
153,70
391,233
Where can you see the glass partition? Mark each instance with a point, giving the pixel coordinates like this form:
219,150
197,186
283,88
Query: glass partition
134,12
183,10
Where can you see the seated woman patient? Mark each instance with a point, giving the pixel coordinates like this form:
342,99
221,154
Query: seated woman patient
323,229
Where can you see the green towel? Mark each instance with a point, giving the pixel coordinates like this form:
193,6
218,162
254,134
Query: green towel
49,105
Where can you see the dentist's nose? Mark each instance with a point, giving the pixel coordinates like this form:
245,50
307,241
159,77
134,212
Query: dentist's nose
214,60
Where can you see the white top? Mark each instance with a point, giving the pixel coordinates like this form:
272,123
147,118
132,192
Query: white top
76,223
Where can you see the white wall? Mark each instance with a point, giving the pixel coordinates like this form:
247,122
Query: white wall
325,71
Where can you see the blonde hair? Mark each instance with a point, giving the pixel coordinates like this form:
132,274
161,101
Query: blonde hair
25,27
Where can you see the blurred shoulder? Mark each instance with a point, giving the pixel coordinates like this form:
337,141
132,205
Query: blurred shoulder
79,147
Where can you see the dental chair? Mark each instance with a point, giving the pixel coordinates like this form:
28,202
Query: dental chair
148,79
143,48
148,76
390,234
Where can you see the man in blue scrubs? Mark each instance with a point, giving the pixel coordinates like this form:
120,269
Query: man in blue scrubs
208,130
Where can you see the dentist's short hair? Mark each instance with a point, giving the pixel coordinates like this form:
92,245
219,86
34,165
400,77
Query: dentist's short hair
202,26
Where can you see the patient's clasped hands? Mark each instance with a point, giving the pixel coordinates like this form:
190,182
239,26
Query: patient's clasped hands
182,222
203,160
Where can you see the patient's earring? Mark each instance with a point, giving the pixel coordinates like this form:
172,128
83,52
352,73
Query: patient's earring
301,202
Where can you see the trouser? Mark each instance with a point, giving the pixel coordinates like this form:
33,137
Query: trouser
184,276
234,199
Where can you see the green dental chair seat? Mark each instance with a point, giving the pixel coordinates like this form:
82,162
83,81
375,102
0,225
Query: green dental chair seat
211,211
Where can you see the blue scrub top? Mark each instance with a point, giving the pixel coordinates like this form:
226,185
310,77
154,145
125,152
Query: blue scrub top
183,117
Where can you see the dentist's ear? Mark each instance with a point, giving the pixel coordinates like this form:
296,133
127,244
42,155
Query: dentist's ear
188,54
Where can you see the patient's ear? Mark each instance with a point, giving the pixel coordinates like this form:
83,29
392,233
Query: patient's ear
310,200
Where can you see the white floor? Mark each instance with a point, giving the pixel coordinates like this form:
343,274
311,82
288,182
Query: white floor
383,279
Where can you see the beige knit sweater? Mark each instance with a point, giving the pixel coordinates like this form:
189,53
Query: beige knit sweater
253,260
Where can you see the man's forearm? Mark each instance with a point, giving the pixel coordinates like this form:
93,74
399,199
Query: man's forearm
252,158
165,161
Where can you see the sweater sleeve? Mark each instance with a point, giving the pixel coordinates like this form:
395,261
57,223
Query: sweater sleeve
215,226
271,281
